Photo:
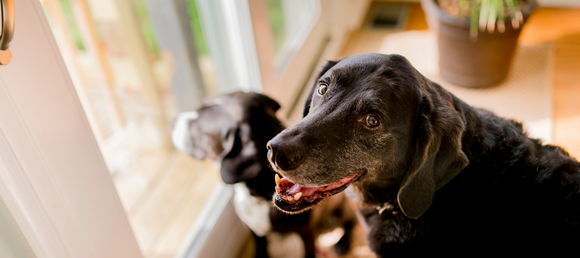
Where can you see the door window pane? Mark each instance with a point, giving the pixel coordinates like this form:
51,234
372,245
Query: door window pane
131,83
290,23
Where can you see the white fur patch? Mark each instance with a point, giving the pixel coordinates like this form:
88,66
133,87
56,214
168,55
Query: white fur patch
289,245
180,134
253,211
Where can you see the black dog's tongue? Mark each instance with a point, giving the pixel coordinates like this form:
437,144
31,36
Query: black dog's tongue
292,192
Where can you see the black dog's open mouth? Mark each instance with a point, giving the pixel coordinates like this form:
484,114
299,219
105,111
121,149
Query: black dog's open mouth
291,197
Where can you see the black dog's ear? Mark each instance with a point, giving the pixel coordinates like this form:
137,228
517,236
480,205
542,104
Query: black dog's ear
268,102
239,160
438,156
324,69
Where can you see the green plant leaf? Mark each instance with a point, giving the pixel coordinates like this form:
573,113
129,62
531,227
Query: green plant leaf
474,18
483,14
501,17
491,14
491,17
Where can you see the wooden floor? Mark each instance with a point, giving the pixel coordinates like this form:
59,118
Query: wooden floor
163,193
560,27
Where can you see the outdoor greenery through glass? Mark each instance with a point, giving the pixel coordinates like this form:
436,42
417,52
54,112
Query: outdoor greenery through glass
195,24
148,33
145,26
75,33
276,19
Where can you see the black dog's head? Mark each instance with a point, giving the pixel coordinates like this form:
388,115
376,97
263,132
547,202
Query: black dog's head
232,129
375,122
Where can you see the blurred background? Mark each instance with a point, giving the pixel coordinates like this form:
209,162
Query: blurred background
136,63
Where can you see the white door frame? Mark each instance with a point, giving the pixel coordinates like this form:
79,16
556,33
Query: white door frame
53,178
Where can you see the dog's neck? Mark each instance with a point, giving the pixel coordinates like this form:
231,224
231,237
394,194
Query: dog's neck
263,184
371,194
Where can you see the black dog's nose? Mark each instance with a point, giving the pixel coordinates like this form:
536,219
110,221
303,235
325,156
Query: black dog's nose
282,154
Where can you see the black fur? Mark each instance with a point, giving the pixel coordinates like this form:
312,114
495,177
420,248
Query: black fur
458,178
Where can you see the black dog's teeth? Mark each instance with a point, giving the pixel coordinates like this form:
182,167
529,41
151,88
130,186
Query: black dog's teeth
297,196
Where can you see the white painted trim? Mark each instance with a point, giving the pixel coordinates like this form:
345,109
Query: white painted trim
238,28
12,241
24,205
227,27
227,237
211,211
217,232
53,178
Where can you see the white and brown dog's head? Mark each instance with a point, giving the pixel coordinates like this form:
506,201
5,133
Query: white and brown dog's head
232,129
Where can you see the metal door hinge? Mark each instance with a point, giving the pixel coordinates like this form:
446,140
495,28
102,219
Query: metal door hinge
6,30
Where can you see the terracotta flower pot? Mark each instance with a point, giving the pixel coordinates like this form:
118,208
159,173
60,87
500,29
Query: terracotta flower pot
465,62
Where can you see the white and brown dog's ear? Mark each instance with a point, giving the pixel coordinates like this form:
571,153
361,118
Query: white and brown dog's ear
239,159
438,156
308,101
268,102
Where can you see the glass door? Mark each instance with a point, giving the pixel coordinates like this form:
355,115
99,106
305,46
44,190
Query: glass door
135,64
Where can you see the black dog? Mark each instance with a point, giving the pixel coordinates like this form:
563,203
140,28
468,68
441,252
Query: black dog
234,130
435,174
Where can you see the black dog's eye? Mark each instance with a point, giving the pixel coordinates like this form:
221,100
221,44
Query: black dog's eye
372,121
322,87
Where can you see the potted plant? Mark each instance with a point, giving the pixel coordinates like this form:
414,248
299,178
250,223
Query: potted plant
476,38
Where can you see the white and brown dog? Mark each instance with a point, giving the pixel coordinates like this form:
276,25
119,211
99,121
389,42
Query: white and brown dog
233,130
